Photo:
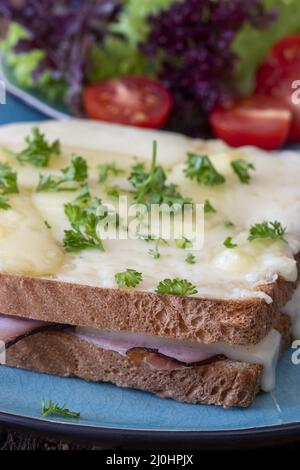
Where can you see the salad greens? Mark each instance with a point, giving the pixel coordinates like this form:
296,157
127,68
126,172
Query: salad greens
252,45
202,50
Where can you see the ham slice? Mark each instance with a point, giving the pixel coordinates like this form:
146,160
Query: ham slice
157,352
142,347
13,329
156,360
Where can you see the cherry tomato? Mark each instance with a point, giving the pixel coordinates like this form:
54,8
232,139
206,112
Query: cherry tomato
283,83
286,51
132,100
256,120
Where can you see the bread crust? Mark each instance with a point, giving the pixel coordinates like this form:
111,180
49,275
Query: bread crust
234,321
226,383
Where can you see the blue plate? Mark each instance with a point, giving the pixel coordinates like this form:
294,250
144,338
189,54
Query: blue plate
109,411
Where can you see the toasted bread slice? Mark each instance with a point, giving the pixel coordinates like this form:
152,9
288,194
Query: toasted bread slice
227,383
233,321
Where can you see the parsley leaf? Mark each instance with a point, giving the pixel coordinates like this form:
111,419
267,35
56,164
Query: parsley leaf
4,203
190,259
128,278
84,196
200,168
273,230
55,409
176,287
8,184
228,224
228,243
155,253
183,243
112,191
75,172
47,224
241,169
208,208
151,187
8,180
108,169
38,150
84,222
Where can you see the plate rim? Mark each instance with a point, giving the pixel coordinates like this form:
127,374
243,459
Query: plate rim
223,437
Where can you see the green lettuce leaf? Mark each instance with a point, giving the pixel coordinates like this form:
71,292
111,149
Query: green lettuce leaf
120,54
252,45
23,65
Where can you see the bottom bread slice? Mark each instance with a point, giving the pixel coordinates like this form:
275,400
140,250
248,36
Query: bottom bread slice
227,383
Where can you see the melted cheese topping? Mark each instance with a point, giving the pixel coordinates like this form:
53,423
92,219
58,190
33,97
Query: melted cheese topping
28,247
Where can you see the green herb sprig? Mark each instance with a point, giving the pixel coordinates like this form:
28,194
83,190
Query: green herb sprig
208,208
242,170
128,278
37,151
155,253
76,172
151,187
84,220
8,184
176,287
190,259
273,230
228,243
201,169
183,243
108,169
55,409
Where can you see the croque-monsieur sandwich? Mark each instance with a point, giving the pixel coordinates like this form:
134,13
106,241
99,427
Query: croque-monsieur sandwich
199,326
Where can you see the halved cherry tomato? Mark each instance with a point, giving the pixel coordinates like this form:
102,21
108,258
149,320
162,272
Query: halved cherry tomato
132,100
286,51
280,84
257,120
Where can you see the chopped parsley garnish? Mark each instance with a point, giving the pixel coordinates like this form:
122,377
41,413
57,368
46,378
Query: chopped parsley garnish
4,205
84,197
176,287
228,243
47,224
201,169
84,221
8,184
56,409
38,150
112,191
108,169
190,259
128,278
242,170
272,230
155,252
208,208
8,180
76,172
151,187
228,224
183,243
